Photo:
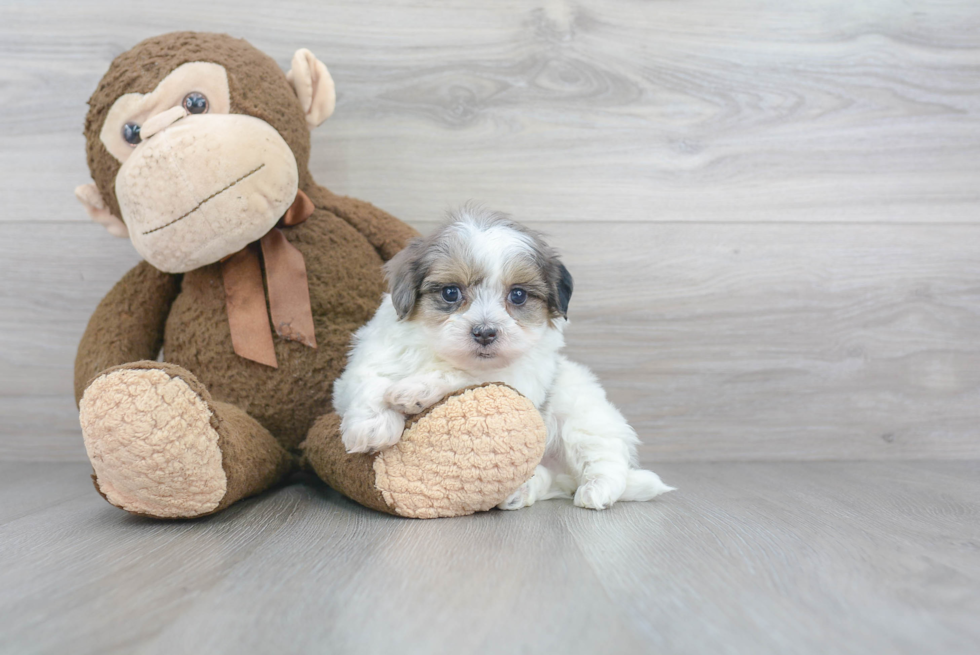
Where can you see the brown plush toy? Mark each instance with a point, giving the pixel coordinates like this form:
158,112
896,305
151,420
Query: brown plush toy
254,279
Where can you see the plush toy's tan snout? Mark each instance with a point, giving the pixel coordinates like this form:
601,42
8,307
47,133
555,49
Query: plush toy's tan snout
203,188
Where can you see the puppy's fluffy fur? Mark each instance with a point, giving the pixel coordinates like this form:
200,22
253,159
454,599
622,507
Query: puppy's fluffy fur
484,299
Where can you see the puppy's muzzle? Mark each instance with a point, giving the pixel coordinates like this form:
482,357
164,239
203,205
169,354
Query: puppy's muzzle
484,334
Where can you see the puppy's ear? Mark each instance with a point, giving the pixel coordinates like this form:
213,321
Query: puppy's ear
560,288
405,274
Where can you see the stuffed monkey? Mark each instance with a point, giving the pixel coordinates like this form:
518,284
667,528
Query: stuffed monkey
254,279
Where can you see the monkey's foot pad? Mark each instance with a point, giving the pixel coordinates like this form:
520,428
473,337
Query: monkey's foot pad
466,454
152,444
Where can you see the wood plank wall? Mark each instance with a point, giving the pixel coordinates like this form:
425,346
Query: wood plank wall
772,210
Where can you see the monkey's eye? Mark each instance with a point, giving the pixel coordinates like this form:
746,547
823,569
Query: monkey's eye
195,103
517,296
131,134
450,294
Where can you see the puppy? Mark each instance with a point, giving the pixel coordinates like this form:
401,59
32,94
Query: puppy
484,299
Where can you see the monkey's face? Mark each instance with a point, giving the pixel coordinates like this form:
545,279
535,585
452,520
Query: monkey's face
204,183
195,174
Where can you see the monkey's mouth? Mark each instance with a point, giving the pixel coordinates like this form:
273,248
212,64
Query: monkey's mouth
209,198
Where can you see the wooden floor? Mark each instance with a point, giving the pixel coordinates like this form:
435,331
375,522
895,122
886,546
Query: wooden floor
816,557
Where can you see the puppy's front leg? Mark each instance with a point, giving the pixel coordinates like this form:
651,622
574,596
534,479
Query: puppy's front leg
418,392
543,485
368,424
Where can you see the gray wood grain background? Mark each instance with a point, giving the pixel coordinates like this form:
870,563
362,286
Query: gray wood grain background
772,213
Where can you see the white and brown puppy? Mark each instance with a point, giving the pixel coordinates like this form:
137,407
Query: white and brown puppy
484,299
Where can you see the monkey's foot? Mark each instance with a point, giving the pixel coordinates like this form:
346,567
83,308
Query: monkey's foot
152,442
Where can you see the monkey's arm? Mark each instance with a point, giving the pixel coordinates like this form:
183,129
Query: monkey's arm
128,324
386,233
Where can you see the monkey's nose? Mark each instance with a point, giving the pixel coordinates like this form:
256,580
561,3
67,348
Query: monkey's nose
161,121
484,335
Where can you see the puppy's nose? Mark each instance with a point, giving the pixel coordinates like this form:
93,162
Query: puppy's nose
484,335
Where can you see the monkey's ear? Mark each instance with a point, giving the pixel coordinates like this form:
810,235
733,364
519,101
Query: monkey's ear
313,85
91,199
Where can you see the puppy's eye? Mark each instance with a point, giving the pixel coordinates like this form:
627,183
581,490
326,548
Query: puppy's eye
517,296
450,294
195,103
131,134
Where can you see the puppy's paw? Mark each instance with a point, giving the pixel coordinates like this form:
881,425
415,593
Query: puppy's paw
537,488
523,497
412,395
599,493
376,432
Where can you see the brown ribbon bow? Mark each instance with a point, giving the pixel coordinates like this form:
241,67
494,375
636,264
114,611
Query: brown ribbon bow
289,291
